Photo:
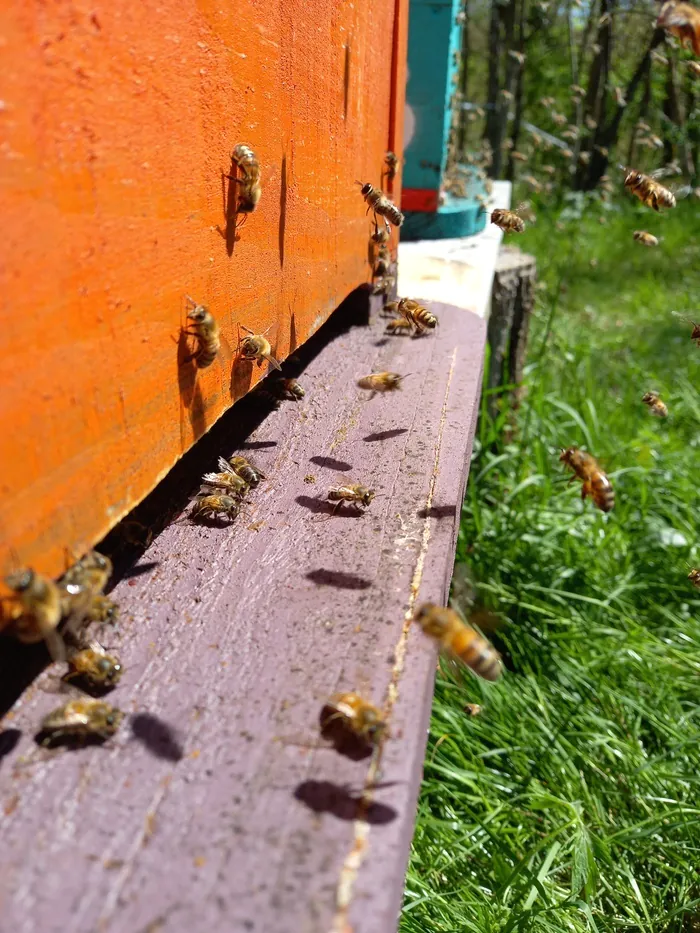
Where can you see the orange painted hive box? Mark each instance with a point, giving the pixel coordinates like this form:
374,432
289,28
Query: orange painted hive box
118,121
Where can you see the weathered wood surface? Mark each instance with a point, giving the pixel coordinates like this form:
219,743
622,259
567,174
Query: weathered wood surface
117,126
512,303
211,810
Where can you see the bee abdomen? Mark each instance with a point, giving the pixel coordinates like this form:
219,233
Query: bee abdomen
206,354
477,654
603,493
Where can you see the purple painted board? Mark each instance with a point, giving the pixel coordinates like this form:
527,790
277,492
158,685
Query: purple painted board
217,807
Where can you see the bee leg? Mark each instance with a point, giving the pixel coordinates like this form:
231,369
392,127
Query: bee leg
586,490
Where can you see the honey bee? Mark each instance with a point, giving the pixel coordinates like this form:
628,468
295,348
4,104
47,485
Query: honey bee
226,479
399,326
257,347
508,221
95,666
381,234
559,119
547,102
81,589
384,284
656,406
460,640
646,239
420,317
249,187
641,126
619,97
518,156
590,123
506,95
694,67
391,160
359,717
81,719
383,261
206,332
38,613
595,482
549,170
577,90
290,389
245,469
380,204
649,191
519,57
214,505
695,333
354,494
533,183
655,142
584,158
380,382
473,709
683,21
694,577
603,150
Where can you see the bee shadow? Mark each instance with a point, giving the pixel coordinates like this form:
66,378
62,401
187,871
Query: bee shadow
344,740
339,801
241,377
339,579
384,435
323,507
229,196
8,741
158,736
86,686
188,384
73,743
331,463
438,511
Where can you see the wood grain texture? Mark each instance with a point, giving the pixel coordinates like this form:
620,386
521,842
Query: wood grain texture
117,125
217,807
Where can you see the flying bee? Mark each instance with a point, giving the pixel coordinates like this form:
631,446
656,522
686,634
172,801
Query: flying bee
227,479
380,382
642,127
391,161
655,142
380,204
519,57
381,234
682,20
245,469
619,97
81,588
695,333
590,123
518,156
95,667
559,119
291,390
533,183
257,347
38,612
508,221
549,170
646,239
352,493
399,326
205,331
570,133
213,505
577,90
382,263
80,720
420,317
584,158
547,102
462,641
603,150
694,67
249,187
656,406
383,285
351,712
595,482
649,191
694,577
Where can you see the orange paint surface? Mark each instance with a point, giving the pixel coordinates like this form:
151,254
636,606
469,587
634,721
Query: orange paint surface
116,125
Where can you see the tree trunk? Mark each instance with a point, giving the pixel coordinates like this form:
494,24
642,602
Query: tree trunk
643,114
595,100
519,92
494,82
671,111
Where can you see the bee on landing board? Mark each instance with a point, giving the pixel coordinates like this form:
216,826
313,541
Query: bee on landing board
93,665
205,331
245,469
354,494
37,613
420,317
381,382
227,479
380,204
508,221
399,326
460,640
646,239
80,720
595,482
213,505
249,187
656,406
649,191
257,347
291,390
355,714
682,20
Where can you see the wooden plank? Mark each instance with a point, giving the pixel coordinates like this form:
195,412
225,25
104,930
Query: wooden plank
212,809
117,125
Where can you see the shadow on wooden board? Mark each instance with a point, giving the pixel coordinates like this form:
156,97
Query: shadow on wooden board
21,664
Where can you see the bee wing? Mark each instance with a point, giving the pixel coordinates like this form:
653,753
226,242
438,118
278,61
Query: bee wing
271,360
683,317
225,466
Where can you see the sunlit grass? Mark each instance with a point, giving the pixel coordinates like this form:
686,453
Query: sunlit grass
573,801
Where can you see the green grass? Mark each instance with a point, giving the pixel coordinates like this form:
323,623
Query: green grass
573,802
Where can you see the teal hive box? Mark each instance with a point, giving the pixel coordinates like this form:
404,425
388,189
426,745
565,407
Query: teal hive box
434,40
